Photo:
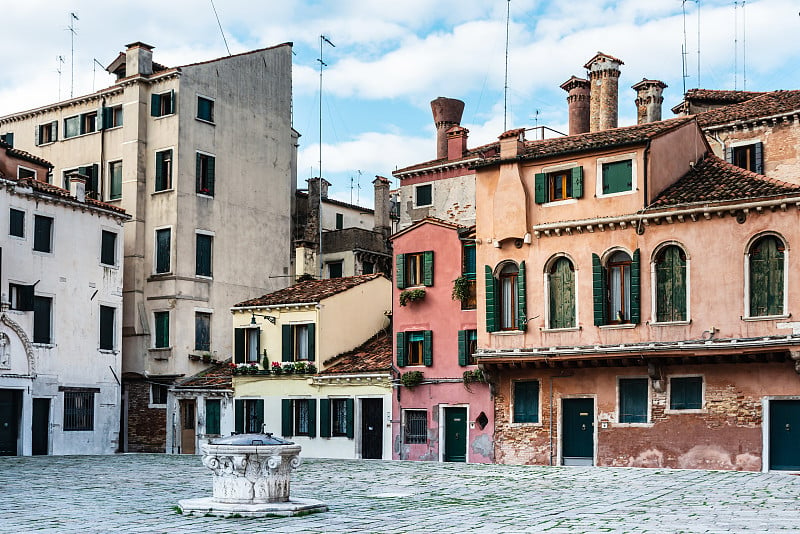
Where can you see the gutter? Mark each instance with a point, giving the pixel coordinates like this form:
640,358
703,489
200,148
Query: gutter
273,306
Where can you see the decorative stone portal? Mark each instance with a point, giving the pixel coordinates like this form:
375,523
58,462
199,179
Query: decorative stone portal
252,475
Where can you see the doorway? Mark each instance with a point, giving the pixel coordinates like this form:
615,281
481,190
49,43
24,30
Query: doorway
577,427
10,405
40,426
784,435
372,429
455,434
188,425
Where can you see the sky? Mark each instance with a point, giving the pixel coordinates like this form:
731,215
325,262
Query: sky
388,59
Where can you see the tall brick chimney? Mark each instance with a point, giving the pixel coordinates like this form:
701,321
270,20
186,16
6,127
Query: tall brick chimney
383,206
313,220
578,104
648,100
456,142
604,93
446,114
138,59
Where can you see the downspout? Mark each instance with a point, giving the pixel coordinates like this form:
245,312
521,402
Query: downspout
101,171
646,184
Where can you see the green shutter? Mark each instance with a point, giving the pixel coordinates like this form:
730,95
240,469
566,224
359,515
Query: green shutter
598,291
758,148
427,268
36,132
312,418
617,176
633,400
312,342
238,414
636,288
670,285
198,172
491,312
258,425
427,347
203,255
211,174
540,188
562,295
350,406
155,105
212,416
160,185
286,418
105,119
401,349
526,402
577,182
286,343
462,347
766,277
238,345
325,418
54,126
400,263
522,306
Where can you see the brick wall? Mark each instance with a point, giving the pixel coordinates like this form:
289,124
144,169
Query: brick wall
147,427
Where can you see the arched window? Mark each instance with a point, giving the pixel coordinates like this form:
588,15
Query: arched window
766,264
670,268
619,287
616,289
561,285
505,297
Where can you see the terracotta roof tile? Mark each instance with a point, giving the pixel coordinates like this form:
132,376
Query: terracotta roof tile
761,105
215,377
54,190
372,356
309,291
715,180
487,150
26,156
719,95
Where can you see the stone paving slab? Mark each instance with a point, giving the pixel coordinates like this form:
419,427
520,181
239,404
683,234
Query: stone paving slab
137,493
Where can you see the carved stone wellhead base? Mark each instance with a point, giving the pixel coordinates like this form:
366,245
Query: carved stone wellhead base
252,476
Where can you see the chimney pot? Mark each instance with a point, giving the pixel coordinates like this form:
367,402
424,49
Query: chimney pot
578,104
138,59
77,186
446,114
456,142
604,91
649,100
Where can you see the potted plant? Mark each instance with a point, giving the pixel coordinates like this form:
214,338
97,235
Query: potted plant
288,368
206,358
472,377
411,295
411,378
194,357
311,368
253,369
461,288
276,368
300,368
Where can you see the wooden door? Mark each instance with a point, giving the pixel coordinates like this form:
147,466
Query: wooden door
372,429
40,427
10,403
784,435
455,434
577,445
188,426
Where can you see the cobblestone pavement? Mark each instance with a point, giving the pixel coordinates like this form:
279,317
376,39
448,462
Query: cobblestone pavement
138,492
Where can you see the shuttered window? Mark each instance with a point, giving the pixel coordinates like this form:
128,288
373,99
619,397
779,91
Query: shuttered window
213,416
423,195
526,401
162,104
107,314
686,393
115,180
670,266
561,282
414,269
21,296
163,250
617,177
467,346
750,157
203,251
16,223
42,319
205,172
161,320
42,233
205,109
558,185
415,348
469,271
298,342
633,400
202,331
336,418
299,417
616,289
766,277
108,248
249,416
163,170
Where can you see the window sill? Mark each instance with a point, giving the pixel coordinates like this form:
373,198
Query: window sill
205,195
559,330
47,143
160,353
169,190
109,266
40,345
81,135
43,252
423,206
18,238
107,351
205,121
673,323
204,277
539,424
767,317
159,276
632,425
622,326
164,116
114,199
508,333
157,406
688,411
556,203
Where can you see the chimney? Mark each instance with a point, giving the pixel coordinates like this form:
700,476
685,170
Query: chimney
456,142
512,143
138,59
446,114
578,104
649,100
604,93
382,206
313,220
77,186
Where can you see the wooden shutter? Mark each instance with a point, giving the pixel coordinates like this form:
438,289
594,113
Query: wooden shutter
198,171
107,327
8,139
350,406
636,288
633,400
540,188
325,418
105,117
522,306
25,297
427,268
238,415
210,177
462,347
163,250
54,129
562,295
286,418
258,423
759,155
401,349
491,311
160,178
37,135
427,347
238,345
203,255
312,341
577,182
598,291
312,418
212,416
400,271
670,285
287,349
526,402
155,105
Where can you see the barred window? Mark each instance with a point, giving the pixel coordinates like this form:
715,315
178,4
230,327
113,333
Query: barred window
78,410
415,426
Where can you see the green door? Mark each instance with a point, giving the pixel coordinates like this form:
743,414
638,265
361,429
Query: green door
40,426
455,434
577,446
784,435
10,403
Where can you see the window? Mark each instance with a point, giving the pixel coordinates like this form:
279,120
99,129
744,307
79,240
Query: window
336,418
561,286
414,269
112,117
163,170
467,346
21,297
670,269
42,319
89,122
686,393
423,195
42,233
78,410
205,174
247,345
526,401
107,327
299,417
558,185
72,126
161,319
617,176
415,348
367,267
468,272
415,426
7,138
115,180
212,416
163,250
203,254
158,394
749,157
335,269
162,104
249,416
633,400
108,248
298,342
80,124
616,289
506,298
339,417
46,133
16,225
24,172
766,265
339,221
205,109
202,331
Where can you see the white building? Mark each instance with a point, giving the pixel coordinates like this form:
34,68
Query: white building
60,318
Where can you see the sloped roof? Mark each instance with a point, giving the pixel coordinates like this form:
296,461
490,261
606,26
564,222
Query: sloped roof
215,377
472,153
715,180
429,220
25,156
760,105
719,95
374,355
58,192
309,291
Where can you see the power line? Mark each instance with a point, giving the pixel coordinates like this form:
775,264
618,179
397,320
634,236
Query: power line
220,28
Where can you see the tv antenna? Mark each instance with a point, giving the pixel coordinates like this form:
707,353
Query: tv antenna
685,47
94,70
322,64
505,86
73,32
60,60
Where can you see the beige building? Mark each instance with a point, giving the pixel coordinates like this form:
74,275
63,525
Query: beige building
203,158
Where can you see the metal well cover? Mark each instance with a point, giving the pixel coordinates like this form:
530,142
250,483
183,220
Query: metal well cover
254,440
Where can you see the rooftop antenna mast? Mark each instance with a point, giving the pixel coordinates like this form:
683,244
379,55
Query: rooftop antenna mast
358,189
735,45
94,70
73,32
744,45
60,60
322,64
505,87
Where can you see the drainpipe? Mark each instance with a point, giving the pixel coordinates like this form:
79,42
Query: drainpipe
646,152
562,375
